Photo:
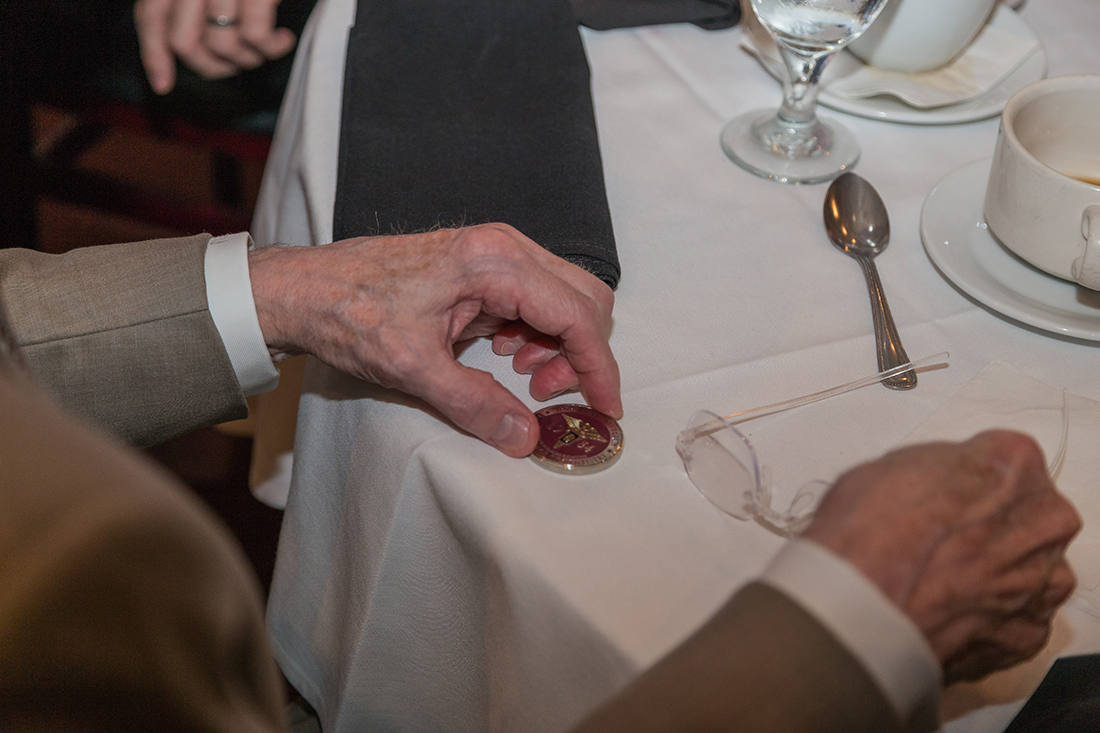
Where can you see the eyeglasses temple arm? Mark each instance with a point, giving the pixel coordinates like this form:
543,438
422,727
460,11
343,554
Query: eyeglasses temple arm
790,404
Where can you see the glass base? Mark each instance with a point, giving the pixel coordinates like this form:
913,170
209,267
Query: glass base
763,144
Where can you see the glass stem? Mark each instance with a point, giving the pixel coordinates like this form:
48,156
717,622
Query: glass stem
801,86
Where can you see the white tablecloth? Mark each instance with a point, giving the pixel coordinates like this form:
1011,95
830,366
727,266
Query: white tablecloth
426,582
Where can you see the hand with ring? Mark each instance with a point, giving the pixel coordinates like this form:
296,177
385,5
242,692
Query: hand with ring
215,38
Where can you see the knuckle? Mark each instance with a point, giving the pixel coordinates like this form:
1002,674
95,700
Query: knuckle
1012,444
605,297
591,312
488,240
596,311
501,229
1061,585
1070,519
1029,450
492,258
602,304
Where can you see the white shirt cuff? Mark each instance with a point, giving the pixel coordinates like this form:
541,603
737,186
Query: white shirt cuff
890,647
229,298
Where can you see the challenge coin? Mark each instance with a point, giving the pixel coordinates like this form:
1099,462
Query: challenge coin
576,439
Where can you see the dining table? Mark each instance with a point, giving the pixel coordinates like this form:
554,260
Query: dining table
427,582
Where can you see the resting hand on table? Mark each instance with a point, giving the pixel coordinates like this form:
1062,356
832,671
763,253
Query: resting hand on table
171,28
967,539
390,310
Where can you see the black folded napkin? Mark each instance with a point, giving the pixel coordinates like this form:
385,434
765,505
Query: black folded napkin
460,112
1067,701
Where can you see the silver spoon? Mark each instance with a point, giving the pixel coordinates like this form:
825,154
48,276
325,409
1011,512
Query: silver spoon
857,223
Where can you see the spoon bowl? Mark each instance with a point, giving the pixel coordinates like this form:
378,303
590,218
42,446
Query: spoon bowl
858,225
855,216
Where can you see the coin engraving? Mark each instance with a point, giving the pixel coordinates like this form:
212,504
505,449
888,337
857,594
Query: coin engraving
576,439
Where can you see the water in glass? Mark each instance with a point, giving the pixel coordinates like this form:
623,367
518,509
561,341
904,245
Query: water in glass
813,27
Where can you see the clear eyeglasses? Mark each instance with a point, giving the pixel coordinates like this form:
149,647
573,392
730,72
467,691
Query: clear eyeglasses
722,462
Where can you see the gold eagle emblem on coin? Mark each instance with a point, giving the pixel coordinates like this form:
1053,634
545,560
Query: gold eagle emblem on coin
577,429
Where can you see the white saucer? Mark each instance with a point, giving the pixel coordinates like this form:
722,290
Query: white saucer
961,247
891,109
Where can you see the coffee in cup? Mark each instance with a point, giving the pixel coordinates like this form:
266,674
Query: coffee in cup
1043,197
920,35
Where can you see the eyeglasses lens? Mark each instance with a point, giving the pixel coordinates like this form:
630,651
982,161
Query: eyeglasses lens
722,464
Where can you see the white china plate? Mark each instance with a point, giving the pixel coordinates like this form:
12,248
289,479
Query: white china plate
961,247
892,109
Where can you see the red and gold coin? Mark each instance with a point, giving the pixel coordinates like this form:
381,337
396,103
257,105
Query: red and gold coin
576,439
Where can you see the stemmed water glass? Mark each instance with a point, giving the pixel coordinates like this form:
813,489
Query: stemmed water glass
793,145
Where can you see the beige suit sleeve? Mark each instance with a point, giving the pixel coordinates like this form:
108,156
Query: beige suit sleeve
123,604
761,665
122,335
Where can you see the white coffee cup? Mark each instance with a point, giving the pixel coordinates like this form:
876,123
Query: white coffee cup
1043,197
920,35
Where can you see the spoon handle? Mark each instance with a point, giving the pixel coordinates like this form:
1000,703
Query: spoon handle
887,341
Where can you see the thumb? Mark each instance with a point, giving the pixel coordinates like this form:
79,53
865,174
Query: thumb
474,401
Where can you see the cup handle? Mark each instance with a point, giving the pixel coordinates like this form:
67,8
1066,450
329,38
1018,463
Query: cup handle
1086,269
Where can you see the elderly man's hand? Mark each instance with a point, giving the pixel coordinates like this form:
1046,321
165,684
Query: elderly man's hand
967,539
171,28
391,309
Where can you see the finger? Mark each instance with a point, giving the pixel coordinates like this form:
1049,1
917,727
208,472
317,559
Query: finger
1014,453
1039,520
533,351
554,378
538,355
227,45
572,305
257,27
151,19
187,30
585,347
1006,645
225,42
1035,586
512,336
534,354
474,401
1061,585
